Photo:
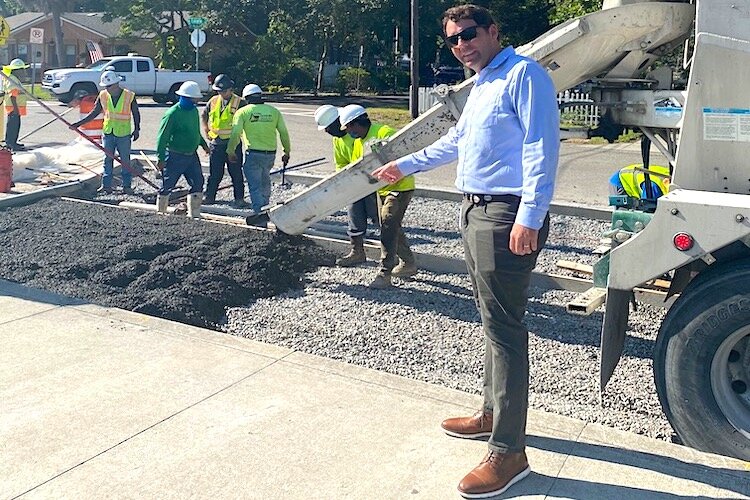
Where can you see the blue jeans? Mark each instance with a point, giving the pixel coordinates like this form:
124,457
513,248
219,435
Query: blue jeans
122,144
257,168
360,211
177,165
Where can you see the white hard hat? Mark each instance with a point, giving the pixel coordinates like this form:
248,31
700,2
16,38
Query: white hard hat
17,64
190,89
251,89
348,113
326,115
109,78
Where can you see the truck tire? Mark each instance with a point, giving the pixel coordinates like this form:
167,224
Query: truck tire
159,98
702,362
83,89
172,98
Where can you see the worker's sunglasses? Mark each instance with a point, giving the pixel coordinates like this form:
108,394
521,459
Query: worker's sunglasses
466,35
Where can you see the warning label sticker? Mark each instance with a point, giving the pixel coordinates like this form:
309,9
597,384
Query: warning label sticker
726,124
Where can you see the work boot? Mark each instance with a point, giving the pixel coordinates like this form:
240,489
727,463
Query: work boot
209,200
128,190
404,270
381,281
497,472
476,426
194,205
356,255
162,203
104,190
241,204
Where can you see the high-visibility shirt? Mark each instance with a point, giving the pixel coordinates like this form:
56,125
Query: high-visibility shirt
257,125
13,89
342,151
220,117
117,116
633,181
377,133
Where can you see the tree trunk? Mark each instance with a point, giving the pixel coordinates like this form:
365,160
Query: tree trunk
321,65
57,27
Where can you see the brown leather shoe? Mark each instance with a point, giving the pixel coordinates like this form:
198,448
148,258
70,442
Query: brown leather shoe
496,473
476,426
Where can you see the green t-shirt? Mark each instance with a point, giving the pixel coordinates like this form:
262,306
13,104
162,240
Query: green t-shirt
377,133
257,125
179,131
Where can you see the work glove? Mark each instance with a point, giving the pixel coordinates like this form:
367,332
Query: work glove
285,159
160,165
135,135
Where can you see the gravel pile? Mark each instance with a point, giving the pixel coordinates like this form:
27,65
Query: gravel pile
335,315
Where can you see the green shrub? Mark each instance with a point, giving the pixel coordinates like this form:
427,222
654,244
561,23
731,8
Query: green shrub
349,78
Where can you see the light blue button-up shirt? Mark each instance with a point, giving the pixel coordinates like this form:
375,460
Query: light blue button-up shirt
507,140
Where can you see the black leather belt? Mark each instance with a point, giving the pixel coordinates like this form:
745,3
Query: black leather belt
262,152
480,199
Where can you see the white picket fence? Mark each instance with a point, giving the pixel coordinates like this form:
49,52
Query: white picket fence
574,106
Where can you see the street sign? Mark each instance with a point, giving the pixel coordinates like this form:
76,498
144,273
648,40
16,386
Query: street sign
196,23
4,31
36,35
198,38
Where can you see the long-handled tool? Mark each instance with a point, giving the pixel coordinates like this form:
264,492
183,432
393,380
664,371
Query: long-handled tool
53,120
125,164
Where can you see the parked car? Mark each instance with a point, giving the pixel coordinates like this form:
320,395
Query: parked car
138,73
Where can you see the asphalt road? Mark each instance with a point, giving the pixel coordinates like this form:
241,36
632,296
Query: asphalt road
583,174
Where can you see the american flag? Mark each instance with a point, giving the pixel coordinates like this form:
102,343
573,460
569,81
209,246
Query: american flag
95,52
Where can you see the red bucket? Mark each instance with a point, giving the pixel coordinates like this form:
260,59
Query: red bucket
6,170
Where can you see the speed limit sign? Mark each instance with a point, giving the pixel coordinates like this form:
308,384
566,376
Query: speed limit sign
36,35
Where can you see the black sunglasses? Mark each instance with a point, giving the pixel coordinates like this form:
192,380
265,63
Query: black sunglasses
466,35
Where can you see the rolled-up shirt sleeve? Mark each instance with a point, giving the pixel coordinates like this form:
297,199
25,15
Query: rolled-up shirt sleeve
440,152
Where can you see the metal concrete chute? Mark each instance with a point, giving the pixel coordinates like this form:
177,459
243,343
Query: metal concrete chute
354,182
617,43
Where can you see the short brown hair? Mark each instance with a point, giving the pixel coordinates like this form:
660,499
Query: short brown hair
478,14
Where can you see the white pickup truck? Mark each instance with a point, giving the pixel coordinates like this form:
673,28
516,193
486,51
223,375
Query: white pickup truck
138,74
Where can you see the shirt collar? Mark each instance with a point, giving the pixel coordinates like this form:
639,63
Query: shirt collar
498,60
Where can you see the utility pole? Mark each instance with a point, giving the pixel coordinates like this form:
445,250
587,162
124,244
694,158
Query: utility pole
414,62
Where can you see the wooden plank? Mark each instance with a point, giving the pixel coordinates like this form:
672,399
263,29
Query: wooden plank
575,266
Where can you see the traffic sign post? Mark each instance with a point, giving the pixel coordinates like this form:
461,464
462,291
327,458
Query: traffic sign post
36,37
197,39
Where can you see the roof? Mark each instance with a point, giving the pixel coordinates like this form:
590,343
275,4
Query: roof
90,21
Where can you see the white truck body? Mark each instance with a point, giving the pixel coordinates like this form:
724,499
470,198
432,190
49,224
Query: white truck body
138,74
698,233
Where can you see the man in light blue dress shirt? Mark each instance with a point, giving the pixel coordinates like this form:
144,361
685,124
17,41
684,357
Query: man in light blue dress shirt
507,145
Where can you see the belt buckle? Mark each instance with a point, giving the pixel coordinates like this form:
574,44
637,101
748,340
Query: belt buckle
476,199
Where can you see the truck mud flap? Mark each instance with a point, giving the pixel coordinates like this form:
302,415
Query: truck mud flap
613,332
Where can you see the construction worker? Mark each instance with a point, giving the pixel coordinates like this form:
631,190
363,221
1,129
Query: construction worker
176,146
631,181
394,199
217,118
119,107
257,125
327,118
15,103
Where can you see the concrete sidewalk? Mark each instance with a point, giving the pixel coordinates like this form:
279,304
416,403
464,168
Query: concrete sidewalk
104,403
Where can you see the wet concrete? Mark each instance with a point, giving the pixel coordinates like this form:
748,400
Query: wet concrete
167,266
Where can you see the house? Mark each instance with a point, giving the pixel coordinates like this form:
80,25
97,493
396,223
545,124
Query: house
78,27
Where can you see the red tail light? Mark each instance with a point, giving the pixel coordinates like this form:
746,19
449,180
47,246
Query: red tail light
683,242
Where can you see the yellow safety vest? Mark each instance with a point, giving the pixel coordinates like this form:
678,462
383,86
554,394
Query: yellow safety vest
117,118
220,120
631,179
14,90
